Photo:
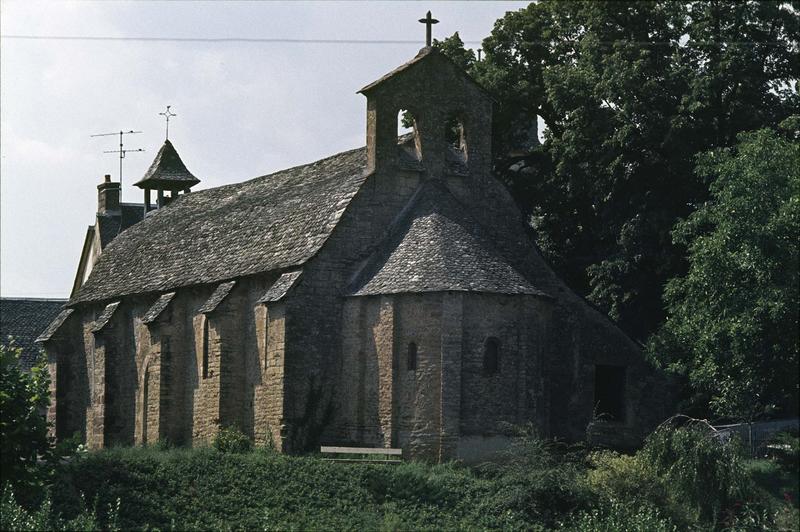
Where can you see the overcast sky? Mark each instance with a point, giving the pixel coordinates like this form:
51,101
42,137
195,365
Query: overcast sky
244,109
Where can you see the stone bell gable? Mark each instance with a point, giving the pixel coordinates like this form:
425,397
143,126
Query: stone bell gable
437,94
388,296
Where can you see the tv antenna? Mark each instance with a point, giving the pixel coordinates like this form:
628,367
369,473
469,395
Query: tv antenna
122,151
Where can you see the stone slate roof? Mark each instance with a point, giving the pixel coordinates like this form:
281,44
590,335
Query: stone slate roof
216,298
167,171
105,317
436,246
273,222
25,319
54,325
423,54
281,287
110,225
407,157
158,307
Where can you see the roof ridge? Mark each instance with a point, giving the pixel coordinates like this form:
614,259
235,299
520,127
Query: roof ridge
334,156
271,174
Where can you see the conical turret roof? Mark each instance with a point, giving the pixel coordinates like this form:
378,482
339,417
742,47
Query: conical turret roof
167,171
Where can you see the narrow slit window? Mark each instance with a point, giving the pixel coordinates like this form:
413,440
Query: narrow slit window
266,340
412,356
491,356
609,392
205,347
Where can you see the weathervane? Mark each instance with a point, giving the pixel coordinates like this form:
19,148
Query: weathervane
428,21
121,152
167,114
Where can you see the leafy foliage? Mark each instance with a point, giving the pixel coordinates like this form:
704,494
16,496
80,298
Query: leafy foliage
541,478
535,485
17,518
630,92
24,439
232,440
629,478
205,489
701,472
733,318
617,516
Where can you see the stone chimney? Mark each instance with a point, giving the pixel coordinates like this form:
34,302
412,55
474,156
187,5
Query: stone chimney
108,196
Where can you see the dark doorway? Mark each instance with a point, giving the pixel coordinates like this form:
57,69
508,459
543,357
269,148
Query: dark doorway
491,356
609,392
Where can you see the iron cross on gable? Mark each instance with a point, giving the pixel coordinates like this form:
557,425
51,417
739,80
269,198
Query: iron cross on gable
167,114
428,21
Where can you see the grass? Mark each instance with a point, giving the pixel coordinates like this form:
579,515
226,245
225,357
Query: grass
778,483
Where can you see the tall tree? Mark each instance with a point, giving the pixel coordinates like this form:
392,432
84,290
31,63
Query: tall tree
629,92
733,318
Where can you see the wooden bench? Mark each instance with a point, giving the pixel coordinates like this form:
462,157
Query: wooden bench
363,454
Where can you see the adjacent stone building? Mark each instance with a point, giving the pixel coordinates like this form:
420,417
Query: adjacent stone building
388,296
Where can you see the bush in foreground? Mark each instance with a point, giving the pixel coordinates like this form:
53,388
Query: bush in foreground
681,479
24,396
14,517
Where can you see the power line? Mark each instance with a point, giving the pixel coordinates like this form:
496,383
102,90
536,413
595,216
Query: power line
360,41
214,39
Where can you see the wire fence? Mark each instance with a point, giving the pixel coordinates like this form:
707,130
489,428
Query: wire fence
756,437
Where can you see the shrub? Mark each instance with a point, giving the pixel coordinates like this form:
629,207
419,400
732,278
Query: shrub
14,517
23,427
621,477
698,470
631,479
542,479
232,440
619,517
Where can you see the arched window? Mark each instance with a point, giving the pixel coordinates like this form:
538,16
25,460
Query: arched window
412,356
491,356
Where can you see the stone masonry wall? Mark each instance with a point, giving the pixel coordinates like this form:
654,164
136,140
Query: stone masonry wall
69,388
418,396
269,426
314,335
382,401
138,383
513,394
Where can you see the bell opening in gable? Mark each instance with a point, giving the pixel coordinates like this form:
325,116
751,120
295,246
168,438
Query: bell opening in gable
456,145
408,143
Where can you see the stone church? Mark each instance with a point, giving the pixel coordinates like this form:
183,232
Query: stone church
388,296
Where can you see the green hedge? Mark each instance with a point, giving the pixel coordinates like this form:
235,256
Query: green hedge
204,489
681,479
